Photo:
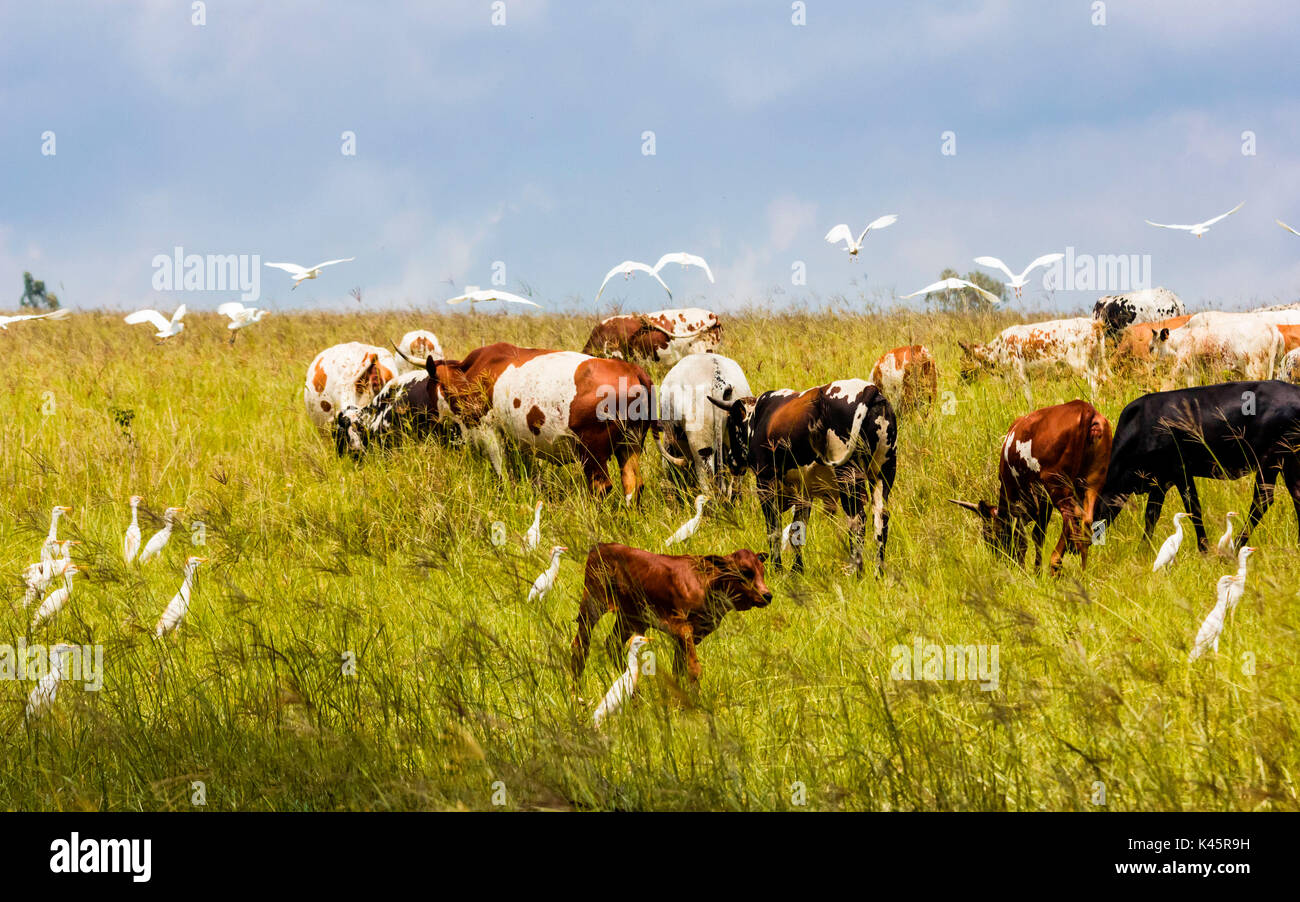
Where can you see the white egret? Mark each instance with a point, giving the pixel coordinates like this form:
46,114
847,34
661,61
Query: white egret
159,539
546,581
42,696
626,268
1224,547
1230,589
240,316
478,296
61,313
688,528
302,273
1197,228
685,260
842,232
55,601
166,327
51,544
180,603
38,576
1165,557
955,284
625,686
1019,281
534,534
131,541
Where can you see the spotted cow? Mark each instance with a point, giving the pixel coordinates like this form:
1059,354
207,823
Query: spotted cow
1247,344
1119,311
664,336
694,437
1079,343
417,346
343,376
908,377
834,442
1053,457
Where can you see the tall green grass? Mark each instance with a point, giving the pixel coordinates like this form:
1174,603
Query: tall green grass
461,696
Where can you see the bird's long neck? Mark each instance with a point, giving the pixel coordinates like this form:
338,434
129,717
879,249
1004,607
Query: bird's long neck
135,515
555,565
53,535
1241,568
537,518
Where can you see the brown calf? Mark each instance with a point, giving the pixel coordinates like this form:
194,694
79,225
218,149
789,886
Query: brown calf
907,376
684,595
1053,457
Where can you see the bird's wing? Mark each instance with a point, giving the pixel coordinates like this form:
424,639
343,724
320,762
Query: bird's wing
630,266
1165,225
840,233
995,263
1045,260
941,285
149,316
232,309
1210,222
881,222
459,299
179,314
684,259
332,262
1287,227
501,296
292,268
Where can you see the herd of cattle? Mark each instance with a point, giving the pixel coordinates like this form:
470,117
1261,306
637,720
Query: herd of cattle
836,443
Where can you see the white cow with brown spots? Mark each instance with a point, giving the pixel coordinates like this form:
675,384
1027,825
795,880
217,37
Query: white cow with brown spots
908,377
1078,343
1248,344
664,336
418,345
343,376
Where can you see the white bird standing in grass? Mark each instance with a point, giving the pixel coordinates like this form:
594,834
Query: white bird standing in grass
1171,545
625,686
131,541
240,316
51,545
55,601
627,267
685,260
39,576
158,541
166,327
475,296
534,534
955,284
1230,590
546,581
301,273
180,603
61,313
42,696
1197,228
1019,281
842,232
688,528
1224,547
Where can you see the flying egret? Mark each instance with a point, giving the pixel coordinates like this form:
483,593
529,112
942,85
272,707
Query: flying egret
1197,228
841,232
1230,589
688,528
625,686
477,296
534,534
1171,544
166,327
180,603
302,273
240,316
38,576
61,313
131,541
51,544
159,539
1287,227
42,696
1018,282
546,580
55,601
1224,547
685,260
954,284
627,267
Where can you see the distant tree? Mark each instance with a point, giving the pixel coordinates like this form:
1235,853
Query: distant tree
35,296
964,299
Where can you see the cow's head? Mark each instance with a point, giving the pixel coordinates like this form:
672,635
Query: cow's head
974,360
740,415
996,528
356,429
739,577
350,437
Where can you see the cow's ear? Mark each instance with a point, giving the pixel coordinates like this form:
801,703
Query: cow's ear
1164,334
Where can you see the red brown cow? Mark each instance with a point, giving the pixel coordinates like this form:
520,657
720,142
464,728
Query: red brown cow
664,336
683,595
907,376
1053,457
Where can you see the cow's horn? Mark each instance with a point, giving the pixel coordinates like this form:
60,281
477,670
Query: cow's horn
970,506
728,406
668,455
402,354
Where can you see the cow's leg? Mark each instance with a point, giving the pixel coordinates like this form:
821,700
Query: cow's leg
801,511
1038,531
770,503
1192,503
629,464
686,651
881,488
1259,505
596,469
853,499
1291,475
590,610
1151,515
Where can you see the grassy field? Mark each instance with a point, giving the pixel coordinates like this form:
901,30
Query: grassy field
460,696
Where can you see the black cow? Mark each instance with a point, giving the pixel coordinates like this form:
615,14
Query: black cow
1167,439
833,442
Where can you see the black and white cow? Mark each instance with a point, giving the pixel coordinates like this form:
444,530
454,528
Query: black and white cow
1119,311
1167,439
835,442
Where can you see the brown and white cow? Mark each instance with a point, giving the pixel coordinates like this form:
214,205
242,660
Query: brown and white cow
1053,457
684,595
343,376
664,336
1136,348
908,377
554,405
835,442
416,347
1079,343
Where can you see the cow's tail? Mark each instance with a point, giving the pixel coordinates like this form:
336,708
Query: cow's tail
859,415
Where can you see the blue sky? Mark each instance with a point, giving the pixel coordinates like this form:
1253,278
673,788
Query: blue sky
522,144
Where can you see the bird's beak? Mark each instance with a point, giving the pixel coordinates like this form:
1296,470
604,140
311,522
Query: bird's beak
66,510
